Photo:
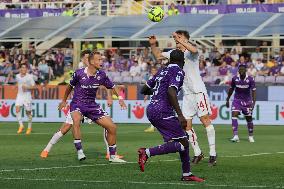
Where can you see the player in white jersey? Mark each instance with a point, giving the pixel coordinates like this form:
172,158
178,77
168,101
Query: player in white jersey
195,99
24,97
67,125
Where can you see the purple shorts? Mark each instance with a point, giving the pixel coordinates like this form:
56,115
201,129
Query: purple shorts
167,124
93,112
242,106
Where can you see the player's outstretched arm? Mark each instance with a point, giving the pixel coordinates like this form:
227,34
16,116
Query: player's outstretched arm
154,49
63,103
172,95
186,44
230,92
109,97
146,90
115,90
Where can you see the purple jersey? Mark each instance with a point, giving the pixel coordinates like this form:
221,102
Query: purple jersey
243,88
85,87
167,77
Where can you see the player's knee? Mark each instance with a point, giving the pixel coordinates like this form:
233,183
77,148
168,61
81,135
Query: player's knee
111,129
249,118
205,120
184,142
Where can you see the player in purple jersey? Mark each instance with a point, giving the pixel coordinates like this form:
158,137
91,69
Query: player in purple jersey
85,82
164,87
244,101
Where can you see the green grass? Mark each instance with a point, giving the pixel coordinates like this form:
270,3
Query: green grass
19,152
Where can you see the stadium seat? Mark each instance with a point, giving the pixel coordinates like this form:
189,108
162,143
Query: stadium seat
127,79
117,79
259,79
270,79
137,79
124,74
114,74
279,80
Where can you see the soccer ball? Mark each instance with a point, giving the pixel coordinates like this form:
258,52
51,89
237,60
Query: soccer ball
156,14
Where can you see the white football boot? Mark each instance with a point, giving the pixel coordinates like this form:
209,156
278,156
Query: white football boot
251,139
235,139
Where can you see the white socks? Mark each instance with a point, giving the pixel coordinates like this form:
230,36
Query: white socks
105,139
55,138
193,141
19,118
30,118
211,139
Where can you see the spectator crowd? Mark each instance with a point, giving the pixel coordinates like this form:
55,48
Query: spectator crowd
217,66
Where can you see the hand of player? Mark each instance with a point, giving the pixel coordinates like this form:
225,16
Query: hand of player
182,121
62,105
109,102
152,40
122,104
176,37
145,98
227,104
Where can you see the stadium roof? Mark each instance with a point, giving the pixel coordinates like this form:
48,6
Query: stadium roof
250,25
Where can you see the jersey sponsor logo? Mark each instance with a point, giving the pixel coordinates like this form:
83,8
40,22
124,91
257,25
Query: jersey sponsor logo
90,86
242,86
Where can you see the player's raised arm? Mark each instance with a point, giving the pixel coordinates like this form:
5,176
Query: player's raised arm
154,48
184,42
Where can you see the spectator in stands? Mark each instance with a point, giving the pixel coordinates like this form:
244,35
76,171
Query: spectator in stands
271,63
213,54
33,60
264,70
223,70
233,69
251,70
242,60
280,58
87,45
59,63
221,48
5,71
238,48
135,69
44,72
228,59
275,70
258,64
234,55
256,55
173,10
69,11
204,52
112,6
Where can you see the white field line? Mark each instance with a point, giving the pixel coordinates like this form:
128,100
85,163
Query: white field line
50,133
105,164
142,183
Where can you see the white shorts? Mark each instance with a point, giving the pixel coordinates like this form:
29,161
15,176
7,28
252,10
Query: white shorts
195,104
24,101
69,119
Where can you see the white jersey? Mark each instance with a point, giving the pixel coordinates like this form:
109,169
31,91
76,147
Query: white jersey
192,82
26,80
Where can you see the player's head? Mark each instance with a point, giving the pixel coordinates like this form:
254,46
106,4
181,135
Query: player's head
184,35
177,57
85,56
96,60
23,69
242,69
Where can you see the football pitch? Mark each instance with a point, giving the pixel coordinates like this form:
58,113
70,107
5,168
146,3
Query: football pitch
239,165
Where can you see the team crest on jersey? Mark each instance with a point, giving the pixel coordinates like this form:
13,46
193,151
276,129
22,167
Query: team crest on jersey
99,77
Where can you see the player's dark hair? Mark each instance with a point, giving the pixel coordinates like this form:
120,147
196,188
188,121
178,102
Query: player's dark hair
177,57
92,54
184,33
85,52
